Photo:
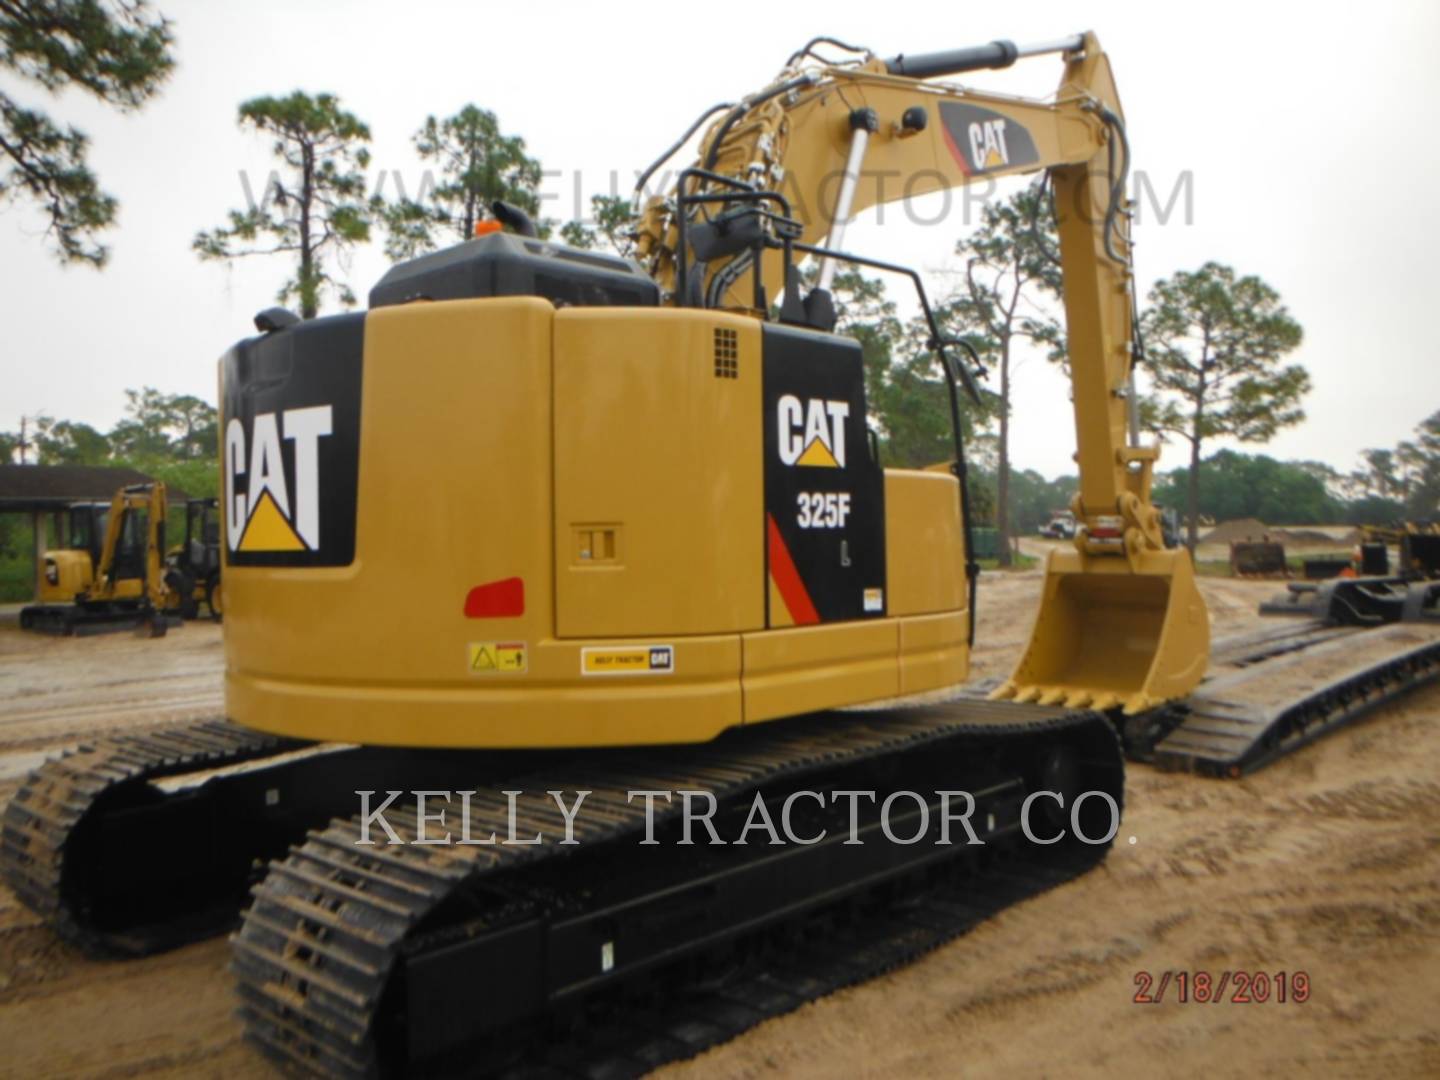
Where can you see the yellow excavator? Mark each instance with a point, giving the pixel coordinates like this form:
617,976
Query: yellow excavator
663,564
114,574
663,482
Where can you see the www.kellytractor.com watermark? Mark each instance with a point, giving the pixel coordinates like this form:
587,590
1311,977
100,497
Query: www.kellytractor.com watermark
904,817
565,193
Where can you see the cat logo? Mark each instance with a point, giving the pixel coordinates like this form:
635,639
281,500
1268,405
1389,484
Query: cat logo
983,140
812,432
987,144
271,515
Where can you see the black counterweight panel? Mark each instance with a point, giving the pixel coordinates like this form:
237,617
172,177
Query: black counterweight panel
824,490
291,445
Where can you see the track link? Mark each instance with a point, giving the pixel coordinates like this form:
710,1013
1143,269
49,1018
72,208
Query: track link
346,944
47,817
1270,702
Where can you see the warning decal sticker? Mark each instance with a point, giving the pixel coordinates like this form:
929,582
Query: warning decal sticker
496,658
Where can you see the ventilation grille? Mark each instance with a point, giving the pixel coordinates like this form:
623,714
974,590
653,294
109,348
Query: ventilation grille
727,354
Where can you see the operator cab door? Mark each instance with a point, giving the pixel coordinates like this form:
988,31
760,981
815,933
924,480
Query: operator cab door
824,488
129,563
87,529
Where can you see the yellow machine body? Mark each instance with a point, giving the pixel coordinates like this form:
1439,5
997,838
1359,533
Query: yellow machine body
66,573
518,522
602,458
122,563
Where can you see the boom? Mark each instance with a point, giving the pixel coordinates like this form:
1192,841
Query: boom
835,139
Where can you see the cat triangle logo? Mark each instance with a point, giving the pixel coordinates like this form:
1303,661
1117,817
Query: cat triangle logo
812,432
267,529
818,454
264,510
988,149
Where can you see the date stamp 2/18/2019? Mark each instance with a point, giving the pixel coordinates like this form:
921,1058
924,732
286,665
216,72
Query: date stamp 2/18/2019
1234,987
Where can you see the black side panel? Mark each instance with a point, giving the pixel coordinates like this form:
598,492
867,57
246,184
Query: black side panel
983,140
291,446
824,492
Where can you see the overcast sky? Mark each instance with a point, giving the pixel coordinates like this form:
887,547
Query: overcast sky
1306,129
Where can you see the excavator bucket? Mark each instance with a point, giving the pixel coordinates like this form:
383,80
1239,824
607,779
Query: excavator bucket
1109,634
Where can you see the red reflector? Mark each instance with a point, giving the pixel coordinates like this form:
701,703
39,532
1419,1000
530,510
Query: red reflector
497,600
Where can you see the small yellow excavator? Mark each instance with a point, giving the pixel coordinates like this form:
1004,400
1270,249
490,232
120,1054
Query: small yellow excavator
113,575
661,557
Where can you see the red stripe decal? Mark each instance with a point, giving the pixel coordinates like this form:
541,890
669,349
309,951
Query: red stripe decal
787,578
496,600
954,149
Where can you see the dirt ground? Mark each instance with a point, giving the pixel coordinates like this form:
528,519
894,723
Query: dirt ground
1326,863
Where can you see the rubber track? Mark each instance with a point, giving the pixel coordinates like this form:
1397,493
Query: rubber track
316,948
56,797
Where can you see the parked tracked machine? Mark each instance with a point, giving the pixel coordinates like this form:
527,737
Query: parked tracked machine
113,570
661,555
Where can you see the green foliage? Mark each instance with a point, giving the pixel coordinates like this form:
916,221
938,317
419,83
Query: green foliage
1379,476
1236,485
1374,510
66,442
1033,498
198,479
914,405
478,164
1011,277
1011,273
173,437
612,218
161,428
1419,461
1405,480
865,312
118,51
315,211
1215,343
17,576
906,389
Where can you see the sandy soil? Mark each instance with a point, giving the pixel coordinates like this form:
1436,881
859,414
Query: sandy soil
1327,863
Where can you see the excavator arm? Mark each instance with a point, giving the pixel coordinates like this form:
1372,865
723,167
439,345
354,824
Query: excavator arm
149,500
1122,623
